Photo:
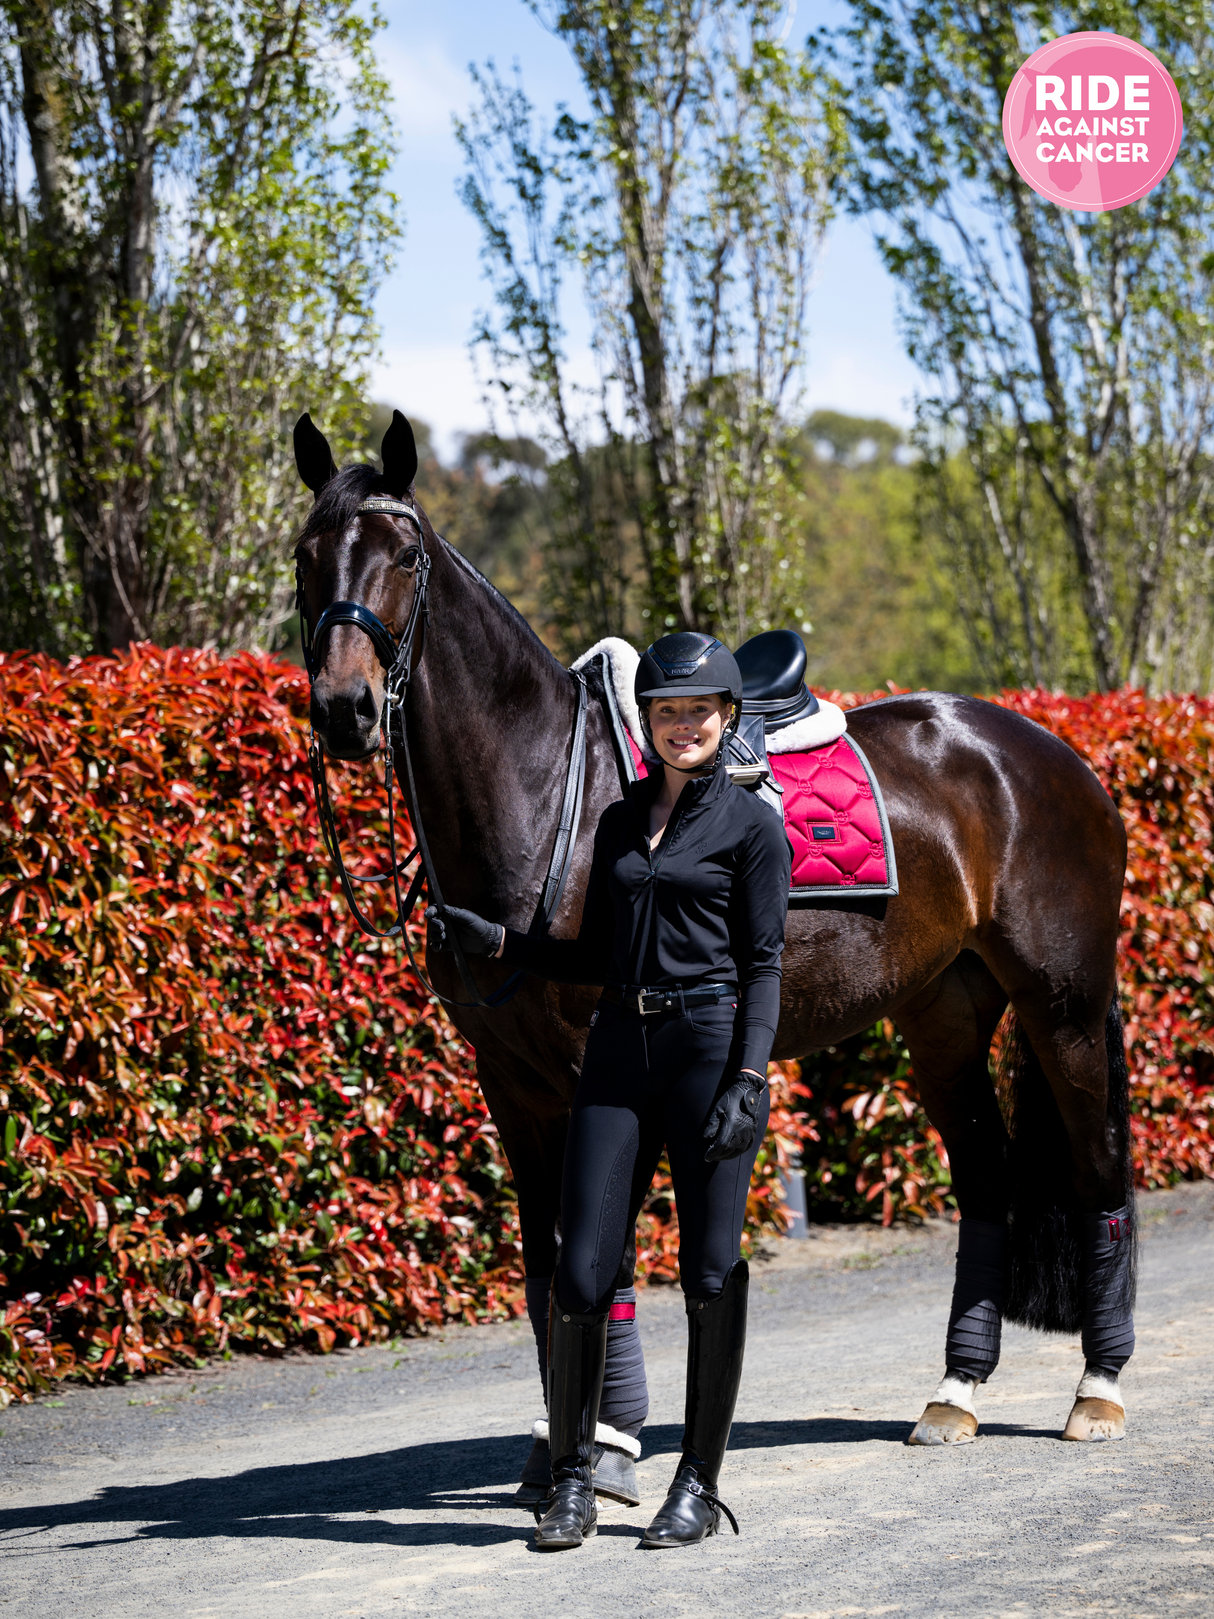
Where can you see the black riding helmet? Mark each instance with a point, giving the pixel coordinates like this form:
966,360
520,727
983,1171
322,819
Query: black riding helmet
689,665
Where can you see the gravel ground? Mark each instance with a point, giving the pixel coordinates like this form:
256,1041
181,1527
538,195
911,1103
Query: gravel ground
378,1481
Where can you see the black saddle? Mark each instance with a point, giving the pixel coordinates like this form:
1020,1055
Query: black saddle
774,694
773,678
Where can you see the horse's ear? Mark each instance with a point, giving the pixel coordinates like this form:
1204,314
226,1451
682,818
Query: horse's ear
399,455
313,456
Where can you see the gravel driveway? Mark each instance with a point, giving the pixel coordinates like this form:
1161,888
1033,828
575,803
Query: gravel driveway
378,1481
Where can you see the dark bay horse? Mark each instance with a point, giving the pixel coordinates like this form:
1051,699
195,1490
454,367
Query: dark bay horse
1010,859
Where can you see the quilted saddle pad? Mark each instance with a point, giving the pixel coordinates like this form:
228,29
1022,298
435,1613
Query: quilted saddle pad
836,822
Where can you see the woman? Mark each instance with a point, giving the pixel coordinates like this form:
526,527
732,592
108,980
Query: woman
684,925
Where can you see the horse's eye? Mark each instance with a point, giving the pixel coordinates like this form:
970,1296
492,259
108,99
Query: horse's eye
409,558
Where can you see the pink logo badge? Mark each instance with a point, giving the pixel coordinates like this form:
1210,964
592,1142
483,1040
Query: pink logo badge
1092,121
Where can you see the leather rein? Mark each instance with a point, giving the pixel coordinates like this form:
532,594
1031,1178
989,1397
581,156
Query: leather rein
398,660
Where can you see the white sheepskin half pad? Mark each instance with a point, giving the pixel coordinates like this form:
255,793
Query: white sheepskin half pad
604,1434
623,659
814,731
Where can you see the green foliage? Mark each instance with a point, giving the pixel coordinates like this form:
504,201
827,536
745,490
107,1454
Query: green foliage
1066,453
195,266
881,606
689,207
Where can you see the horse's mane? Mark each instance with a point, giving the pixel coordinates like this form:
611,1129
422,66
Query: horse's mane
511,609
337,506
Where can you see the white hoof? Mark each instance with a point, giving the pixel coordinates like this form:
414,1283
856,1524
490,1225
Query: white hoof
944,1425
1092,1420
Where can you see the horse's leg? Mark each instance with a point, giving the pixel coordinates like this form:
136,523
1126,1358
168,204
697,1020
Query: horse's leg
1076,1270
948,1028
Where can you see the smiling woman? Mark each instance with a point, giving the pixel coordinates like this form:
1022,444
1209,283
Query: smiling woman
683,924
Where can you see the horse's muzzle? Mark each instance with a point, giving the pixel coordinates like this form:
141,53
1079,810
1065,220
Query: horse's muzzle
346,720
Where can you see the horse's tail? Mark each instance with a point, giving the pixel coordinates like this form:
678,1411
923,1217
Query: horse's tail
1045,1282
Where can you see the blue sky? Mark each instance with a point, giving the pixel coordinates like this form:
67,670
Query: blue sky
426,307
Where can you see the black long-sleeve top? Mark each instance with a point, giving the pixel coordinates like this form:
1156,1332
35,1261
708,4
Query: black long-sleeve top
708,905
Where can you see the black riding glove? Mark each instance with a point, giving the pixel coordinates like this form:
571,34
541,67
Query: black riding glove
731,1126
476,936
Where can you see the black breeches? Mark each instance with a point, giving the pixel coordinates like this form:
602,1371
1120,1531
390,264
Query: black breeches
649,1083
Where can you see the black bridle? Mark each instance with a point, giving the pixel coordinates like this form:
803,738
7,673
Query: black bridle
397,659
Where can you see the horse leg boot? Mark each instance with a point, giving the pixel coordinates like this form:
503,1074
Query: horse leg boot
975,1322
622,1412
716,1343
1108,1326
577,1352
624,1406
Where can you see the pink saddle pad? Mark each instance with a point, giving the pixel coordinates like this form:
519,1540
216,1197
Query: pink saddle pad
836,822
835,819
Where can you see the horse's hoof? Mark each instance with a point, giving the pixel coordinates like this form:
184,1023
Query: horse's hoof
944,1425
1095,1420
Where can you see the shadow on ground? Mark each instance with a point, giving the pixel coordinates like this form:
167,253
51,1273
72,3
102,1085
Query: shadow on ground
303,1501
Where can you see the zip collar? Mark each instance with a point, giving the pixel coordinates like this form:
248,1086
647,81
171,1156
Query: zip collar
699,790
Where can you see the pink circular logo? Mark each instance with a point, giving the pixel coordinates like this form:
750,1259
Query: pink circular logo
1092,121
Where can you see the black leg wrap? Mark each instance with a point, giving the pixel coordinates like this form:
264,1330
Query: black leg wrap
716,1345
1109,1284
625,1403
976,1319
577,1351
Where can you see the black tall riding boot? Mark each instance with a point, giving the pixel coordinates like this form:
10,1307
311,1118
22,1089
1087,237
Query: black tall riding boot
716,1343
577,1354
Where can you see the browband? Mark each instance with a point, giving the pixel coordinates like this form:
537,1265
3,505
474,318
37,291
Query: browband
384,503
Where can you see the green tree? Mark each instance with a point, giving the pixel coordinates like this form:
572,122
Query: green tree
1066,450
194,265
882,602
688,205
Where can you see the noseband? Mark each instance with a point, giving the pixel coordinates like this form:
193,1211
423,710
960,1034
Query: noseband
397,660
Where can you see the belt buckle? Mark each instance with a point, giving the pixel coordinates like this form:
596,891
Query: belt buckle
640,1000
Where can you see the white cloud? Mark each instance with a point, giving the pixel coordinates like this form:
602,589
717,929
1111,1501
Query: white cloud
427,88
861,382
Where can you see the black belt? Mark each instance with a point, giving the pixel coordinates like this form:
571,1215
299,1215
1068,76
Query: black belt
648,1002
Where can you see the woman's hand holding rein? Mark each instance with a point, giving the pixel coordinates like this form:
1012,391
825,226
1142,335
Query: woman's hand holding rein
476,936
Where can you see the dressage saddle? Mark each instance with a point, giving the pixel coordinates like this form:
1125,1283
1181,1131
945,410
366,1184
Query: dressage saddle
773,678
774,694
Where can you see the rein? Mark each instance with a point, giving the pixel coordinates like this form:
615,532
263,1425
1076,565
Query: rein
397,660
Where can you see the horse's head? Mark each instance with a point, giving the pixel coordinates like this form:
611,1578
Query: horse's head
349,554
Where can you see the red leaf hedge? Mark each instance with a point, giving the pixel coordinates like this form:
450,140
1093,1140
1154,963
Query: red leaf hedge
227,1117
